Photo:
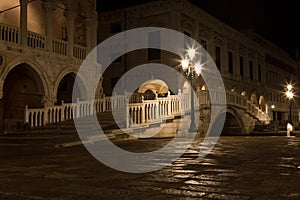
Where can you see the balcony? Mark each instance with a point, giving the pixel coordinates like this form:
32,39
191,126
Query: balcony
12,35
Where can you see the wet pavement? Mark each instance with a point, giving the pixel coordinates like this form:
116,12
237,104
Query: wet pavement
32,167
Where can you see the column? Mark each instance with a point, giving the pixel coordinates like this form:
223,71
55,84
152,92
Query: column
175,20
23,21
70,28
196,32
236,69
246,65
255,67
91,31
49,8
224,62
211,46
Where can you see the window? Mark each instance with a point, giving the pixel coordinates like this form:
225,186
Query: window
204,46
186,40
259,73
251,69
242,66
154,39
203,43
230,62
218,57
116,27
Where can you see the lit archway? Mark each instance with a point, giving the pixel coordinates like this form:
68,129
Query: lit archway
23,86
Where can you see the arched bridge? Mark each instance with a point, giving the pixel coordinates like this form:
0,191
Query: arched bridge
241,114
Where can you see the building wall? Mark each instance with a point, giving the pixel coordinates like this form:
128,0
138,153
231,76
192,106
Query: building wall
39,51
265,81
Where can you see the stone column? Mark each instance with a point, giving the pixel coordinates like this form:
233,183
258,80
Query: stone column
246,65
196,32
255,67
211,49
91,31
236,69
175,20
23,21
224,61
49,8
70,28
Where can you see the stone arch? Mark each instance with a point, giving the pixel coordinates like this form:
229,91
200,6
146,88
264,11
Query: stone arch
27,91
63,88
234,123
34,65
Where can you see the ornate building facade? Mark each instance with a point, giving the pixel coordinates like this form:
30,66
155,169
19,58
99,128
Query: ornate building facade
42,44
249,64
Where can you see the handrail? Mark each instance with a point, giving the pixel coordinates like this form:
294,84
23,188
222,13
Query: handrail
136,114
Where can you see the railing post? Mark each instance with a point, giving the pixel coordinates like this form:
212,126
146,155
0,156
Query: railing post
127,115
26,115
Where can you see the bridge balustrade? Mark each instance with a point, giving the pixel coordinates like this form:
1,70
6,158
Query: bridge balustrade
35,117
141,113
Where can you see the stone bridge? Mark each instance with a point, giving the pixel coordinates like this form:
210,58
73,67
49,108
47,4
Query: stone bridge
136,113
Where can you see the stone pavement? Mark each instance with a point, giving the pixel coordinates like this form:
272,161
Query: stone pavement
237,168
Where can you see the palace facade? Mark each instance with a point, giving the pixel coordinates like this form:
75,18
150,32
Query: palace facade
42,45
249,64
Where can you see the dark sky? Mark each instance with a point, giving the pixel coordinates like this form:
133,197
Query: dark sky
275,20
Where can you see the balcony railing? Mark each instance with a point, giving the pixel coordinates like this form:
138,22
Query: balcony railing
12,34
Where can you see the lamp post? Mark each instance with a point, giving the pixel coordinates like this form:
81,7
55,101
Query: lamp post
192,68
290,95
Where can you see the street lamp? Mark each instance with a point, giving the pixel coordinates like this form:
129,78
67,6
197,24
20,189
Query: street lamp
192,68
290,95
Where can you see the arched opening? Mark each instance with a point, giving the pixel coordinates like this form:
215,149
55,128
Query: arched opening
231,125
149,95
66,87
22,87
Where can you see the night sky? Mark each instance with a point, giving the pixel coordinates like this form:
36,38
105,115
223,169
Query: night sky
275,20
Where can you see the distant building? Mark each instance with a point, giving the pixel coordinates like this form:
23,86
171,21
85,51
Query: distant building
250,65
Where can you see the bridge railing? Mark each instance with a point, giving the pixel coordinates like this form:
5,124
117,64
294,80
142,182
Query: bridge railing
35,117
141,113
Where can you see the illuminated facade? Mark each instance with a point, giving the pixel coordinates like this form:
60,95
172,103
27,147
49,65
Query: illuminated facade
250,65
42,44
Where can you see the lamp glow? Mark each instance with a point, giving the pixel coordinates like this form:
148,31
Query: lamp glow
192,53
198,69
185,64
